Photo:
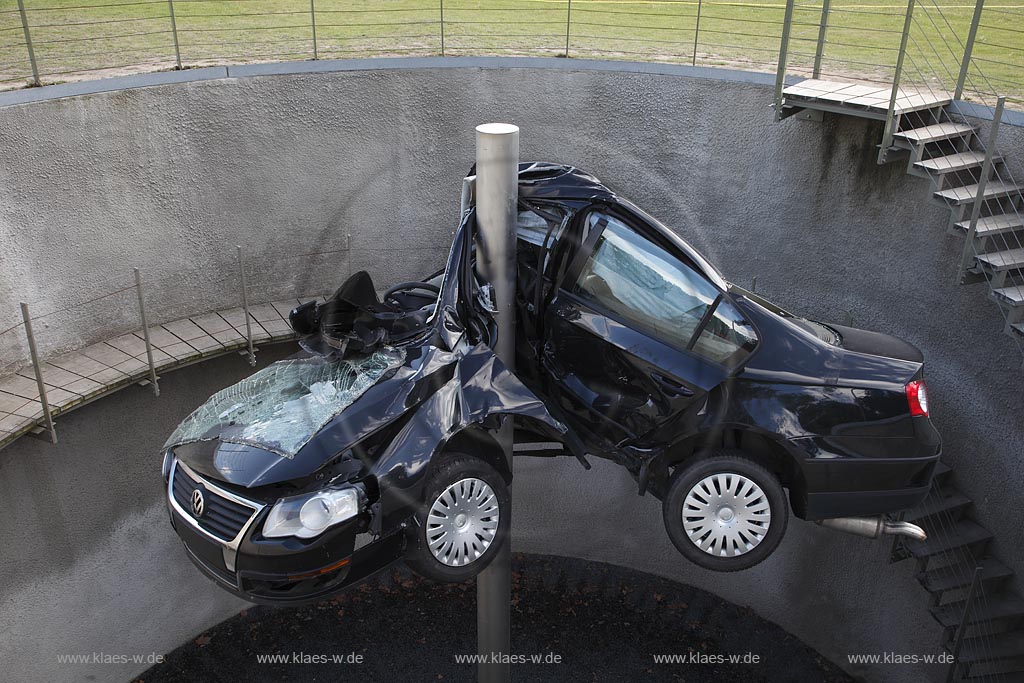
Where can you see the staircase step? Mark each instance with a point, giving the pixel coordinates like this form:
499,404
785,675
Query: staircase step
1002,260
1010,296
966,194
953,162
959,576
988,648
994,678
947,506
936,132
990,607
941,472
994,225
1018,328
963,534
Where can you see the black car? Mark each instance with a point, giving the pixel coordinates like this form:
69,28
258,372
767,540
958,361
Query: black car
377,441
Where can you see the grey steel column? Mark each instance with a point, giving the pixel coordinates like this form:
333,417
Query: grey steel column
39,372
28,45
979,198
442,27
145,333
174,33
245,306
890,122
696,32
312,21
497,193
780,74
965,64
822,28
568,23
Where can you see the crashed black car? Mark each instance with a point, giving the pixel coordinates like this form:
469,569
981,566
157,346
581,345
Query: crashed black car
377,441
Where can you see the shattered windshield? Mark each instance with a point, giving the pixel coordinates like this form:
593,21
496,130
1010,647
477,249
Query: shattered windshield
281,407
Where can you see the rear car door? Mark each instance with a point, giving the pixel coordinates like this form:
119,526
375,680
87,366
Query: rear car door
635,336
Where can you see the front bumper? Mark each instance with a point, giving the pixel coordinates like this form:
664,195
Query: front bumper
277,570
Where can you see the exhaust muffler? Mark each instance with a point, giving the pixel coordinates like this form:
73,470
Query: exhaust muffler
874,527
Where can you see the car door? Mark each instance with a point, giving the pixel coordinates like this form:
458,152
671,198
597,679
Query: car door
635,337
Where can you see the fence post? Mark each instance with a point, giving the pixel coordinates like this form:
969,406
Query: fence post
780,75
442,27
890,115
312,21
822,27
568,22
174,33
245,306
965,64
39,372
31,52
986,171
145,333
696,32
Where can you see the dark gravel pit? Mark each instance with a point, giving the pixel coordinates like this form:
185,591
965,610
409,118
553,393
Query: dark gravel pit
572,620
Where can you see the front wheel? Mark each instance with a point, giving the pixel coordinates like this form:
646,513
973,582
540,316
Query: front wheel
463,520
725,512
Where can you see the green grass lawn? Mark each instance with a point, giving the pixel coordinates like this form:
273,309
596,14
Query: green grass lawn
76,39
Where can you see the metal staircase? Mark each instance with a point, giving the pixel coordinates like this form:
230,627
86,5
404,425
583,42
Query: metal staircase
982,619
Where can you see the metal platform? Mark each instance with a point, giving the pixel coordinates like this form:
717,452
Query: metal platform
857,99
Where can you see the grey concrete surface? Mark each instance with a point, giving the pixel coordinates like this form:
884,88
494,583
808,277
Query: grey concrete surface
171,177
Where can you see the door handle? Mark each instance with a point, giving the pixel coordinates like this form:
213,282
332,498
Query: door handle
670,386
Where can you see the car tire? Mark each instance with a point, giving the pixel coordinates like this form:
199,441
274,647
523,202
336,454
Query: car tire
735,511
456,536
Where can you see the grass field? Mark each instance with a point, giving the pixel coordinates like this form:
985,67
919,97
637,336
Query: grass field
75,39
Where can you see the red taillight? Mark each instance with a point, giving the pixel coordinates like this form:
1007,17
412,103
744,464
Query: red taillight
917,396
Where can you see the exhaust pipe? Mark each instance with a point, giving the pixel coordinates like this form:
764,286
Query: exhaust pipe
874,527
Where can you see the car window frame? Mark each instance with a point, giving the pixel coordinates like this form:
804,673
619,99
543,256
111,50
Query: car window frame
640,226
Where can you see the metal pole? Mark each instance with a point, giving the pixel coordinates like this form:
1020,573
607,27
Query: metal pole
962,628
568,22
890,115
696,32
780,75
174,32
965,65
822,28
245,307
497,192
312,20
145,333
442,27
28,44
986,171
39,372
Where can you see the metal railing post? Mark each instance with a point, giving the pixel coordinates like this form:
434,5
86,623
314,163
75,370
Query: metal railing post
312,21
961,629
28,45
174,33
568,23
965,64
822,28
497,164
442,27
780,75
37,366
245,306
986,172
145,333
890,115
696,32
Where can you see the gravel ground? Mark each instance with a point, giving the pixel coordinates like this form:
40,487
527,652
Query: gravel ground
603,623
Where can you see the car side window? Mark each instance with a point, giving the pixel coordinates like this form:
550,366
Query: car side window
727,338
642,284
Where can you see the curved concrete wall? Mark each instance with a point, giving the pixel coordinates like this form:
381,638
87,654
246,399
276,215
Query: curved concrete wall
171,178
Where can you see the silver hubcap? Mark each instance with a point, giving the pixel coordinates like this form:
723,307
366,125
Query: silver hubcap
726,514
462,522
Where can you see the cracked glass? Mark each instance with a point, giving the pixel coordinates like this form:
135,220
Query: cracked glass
281,407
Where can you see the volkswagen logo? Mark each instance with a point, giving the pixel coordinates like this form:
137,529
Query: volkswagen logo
198,502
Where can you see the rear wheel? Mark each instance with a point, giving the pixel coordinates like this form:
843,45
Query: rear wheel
725,512
462,521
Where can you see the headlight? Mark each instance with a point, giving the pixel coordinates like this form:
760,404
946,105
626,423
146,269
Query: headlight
310,514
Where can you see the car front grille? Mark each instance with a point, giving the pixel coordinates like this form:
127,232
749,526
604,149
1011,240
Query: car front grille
222,517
